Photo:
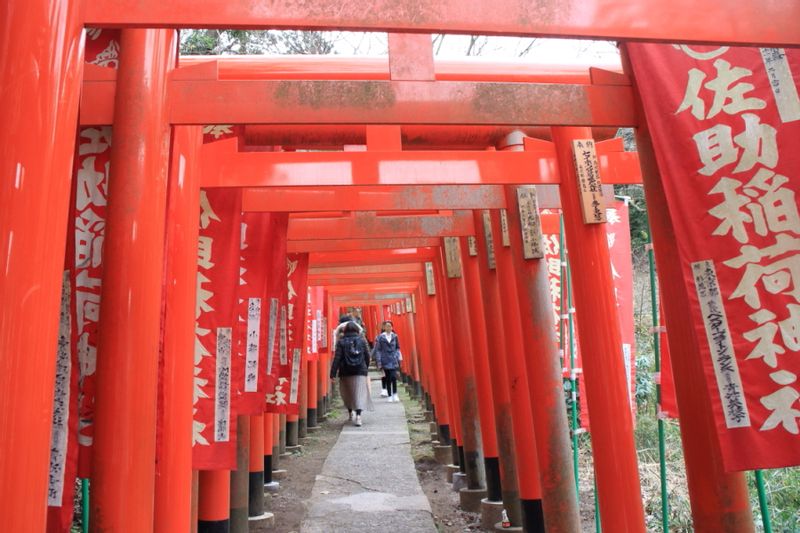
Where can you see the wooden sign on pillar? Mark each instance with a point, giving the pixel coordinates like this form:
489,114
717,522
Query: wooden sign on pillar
472,245
588,173
430,281
506,237
530,223
487,232
409,306
452,255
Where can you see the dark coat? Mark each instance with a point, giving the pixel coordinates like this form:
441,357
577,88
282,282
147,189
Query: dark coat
338,368
387,352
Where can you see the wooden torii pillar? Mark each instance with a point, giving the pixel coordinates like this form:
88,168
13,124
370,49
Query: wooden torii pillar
59,26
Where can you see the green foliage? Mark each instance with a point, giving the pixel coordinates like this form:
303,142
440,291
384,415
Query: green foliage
239,42
645,388
783,499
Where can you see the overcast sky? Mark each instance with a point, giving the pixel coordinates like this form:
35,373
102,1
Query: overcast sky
562,51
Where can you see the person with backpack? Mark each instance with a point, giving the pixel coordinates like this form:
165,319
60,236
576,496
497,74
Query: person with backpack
387,356
350,364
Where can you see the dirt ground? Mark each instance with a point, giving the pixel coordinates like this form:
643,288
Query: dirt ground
288,504
432,476
444,502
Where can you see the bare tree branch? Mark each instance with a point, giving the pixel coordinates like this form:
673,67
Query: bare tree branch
527,49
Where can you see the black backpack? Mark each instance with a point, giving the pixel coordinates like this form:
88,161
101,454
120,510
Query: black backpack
352,353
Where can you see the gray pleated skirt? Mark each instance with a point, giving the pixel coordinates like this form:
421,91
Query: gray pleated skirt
355,392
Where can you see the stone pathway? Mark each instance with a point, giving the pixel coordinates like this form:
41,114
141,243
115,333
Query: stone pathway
368,482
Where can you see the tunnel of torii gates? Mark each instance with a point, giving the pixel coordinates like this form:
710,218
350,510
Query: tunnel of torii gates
404,186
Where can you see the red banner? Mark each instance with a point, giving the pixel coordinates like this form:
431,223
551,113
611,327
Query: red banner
619,244
278,370
253,312
311,340
296,299
725,123
618,231
214,435
89,216
668,406
316,323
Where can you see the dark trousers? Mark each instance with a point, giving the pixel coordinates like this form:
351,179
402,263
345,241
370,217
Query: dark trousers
390,375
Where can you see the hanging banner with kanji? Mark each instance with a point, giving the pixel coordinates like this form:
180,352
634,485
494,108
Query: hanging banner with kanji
253,312
89,216
296,301
278,371
316,337
619,245
559,296
218,249
725,123
618,232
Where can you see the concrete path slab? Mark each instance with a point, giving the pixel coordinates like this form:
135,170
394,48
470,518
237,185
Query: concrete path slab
368,482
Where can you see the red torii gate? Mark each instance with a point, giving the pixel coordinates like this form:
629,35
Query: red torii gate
35,193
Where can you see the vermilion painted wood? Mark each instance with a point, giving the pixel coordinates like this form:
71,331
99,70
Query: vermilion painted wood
414,137
498,371
224,166
339,280
211,101
367,287
480,346
373,198
331,245
371,257
371,226
614,449
524,433
446,352
649,20
123,455
41,63
365,269
214,495
442,395
318,67
545,382
463,373
174,466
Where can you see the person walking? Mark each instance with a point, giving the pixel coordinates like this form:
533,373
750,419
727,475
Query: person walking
387,356
350,364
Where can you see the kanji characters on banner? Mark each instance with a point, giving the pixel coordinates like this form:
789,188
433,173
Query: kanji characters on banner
725,123
214,427
619,243
296,298
278,372
253,312
316,323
